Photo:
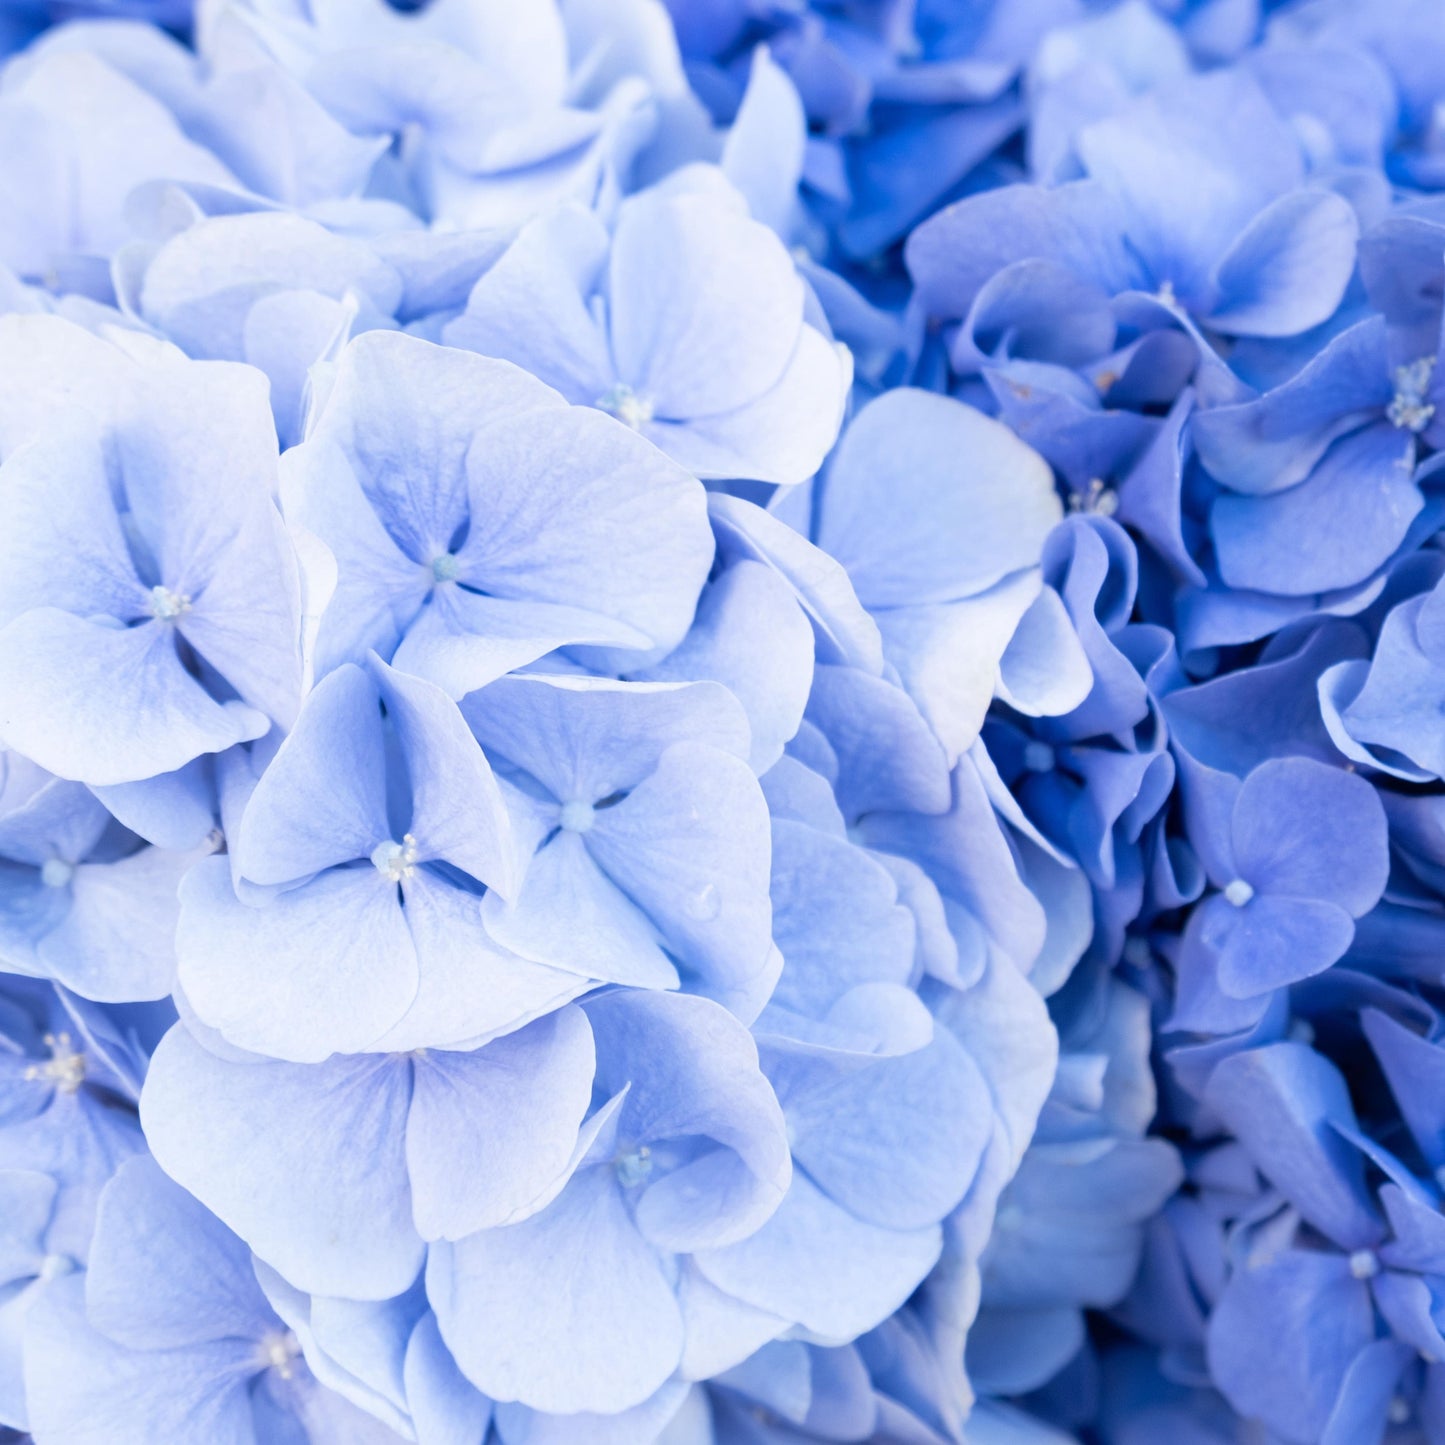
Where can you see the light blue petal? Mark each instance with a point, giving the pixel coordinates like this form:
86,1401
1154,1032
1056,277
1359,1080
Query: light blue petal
515,1104
328,966
164,1273
689,846
569,1310
104,704
912,526
1288,269
86,1390
1280,1101
304,1162
1284,1335
321,801
817,1264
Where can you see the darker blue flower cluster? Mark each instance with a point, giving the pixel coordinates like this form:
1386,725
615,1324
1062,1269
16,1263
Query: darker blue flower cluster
722,722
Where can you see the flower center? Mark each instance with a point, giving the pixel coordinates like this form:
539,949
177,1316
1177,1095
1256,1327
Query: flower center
578,816
1098,497
1363,1264
65,1068
444,567
634,1167
396,860
1038,756
625,404
166,605
1238,892
56,872
54,1266
1409,410
278,1351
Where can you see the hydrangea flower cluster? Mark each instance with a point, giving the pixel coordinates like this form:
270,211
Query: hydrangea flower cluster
721,722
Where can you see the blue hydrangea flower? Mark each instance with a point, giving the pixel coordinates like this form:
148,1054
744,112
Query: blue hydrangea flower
1319,470
765,829
501,113
1385,712
1303,854
1245,261
687,323
67,1119
515,525
357,868
1367,1264
174,630
643,832
853,1055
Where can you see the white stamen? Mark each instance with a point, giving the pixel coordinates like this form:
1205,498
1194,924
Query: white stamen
578,815
56,872
444,567
634,1167
396,860
1238,892
1099,498
1165,293
277,1352
166,605
625,404
65,1068
53,1266
1408,409
1398,1411
1363,1264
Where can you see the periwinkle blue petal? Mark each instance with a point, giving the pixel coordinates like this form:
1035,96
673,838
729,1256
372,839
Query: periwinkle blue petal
951,571
1395,708
1271,442
1295,1388
1349,515
1281,1102
1288,268
748,605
